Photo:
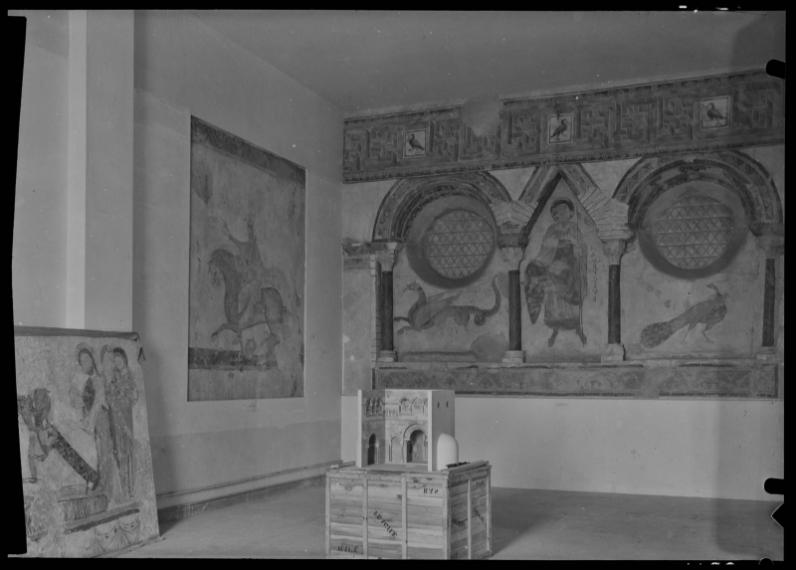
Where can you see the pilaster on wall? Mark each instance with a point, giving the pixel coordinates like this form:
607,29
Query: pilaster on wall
383,263
771,242
100,170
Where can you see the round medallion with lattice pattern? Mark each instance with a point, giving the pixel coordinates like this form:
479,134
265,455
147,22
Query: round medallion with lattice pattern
694,232
458,243
451,241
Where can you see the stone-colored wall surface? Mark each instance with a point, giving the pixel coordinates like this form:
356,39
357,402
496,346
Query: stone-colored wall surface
357,328
84,438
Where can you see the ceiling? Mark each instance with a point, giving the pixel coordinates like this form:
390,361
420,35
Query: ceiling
368,60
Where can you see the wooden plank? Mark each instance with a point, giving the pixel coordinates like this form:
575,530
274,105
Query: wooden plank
404,519
469,523
384,549
425,501
390,512
424,537
479,543
346,530
433,553
446,526
488,515
346,511
422,513
365,515
327,545
345,547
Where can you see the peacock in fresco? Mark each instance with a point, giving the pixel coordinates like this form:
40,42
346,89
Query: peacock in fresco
709,313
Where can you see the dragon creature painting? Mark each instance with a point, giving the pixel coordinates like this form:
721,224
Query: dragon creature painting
428,312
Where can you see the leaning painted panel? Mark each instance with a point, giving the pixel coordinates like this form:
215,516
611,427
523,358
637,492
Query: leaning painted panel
84,441
246,270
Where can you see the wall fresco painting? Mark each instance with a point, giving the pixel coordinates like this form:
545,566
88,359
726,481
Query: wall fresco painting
246,270
556,278
427,312
707,313
437,324
563,269
84,442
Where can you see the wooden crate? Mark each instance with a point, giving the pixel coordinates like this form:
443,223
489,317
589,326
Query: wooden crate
405,511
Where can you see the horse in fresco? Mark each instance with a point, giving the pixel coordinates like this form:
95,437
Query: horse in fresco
247,303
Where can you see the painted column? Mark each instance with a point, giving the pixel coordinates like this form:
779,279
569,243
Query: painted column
511,218
773,245
615,351
512,255
386,313
375,273
384,261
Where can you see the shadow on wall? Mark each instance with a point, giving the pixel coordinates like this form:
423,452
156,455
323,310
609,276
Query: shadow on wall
730,451
162,461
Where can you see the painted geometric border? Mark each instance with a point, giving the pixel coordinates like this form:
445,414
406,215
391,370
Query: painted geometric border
609,124
630,379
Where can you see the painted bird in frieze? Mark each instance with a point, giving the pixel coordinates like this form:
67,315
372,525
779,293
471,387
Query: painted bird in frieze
560,129
709,313
414,143
712,113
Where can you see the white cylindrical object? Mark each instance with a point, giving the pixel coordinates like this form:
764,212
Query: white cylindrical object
447,450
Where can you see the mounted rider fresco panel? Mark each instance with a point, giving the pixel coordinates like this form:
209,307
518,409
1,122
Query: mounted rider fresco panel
246,270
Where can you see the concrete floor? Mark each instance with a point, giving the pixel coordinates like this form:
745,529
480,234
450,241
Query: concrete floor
528,524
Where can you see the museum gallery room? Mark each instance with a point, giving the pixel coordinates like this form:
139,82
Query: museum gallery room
395,284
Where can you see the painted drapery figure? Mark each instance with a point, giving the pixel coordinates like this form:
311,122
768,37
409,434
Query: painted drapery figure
121,396
88,394
556,278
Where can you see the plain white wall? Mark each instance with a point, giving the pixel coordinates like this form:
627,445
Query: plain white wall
38,262
716,449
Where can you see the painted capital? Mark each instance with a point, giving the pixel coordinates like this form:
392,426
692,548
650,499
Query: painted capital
512,216
773,244
386,255
387,356
614,249
512,255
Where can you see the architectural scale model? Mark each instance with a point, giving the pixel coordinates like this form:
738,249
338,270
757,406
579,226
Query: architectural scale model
403,426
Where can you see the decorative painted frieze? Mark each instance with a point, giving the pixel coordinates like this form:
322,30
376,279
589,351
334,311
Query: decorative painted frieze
741,379
714,112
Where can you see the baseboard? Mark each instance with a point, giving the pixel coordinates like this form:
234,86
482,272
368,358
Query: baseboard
177,505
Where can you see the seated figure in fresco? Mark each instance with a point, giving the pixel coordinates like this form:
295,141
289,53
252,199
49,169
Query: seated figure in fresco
556,278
